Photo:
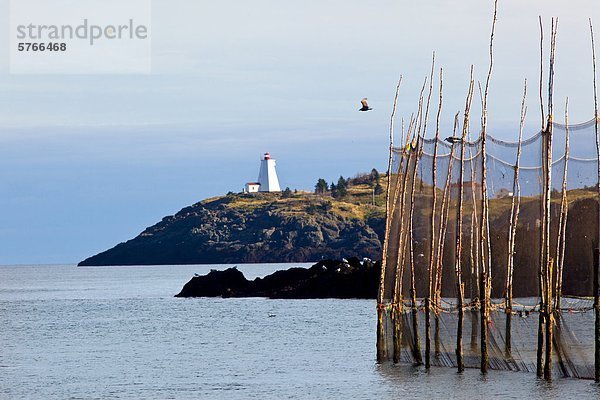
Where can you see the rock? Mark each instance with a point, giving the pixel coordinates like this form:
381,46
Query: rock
326,279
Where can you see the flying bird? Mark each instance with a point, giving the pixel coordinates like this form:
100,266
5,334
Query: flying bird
453,139
365,105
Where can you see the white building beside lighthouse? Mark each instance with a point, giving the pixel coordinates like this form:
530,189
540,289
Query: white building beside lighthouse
267,177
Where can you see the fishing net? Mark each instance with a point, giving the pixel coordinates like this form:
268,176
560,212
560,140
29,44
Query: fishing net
442,259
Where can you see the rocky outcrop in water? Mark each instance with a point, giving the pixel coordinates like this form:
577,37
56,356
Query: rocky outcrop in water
326,279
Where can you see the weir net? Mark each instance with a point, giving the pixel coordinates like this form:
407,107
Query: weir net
521,246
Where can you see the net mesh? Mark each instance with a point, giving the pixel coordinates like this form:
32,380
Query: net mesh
435,237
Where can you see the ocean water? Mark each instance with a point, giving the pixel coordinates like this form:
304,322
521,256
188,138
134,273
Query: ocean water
118,333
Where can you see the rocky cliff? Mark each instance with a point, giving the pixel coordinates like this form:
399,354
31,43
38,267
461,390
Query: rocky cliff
258,228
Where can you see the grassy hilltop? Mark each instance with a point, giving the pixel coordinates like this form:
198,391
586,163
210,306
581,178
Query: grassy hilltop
264,227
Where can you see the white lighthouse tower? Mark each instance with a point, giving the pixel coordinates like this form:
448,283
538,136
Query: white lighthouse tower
267,177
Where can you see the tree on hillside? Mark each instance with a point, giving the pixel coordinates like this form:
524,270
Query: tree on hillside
287,193
334,190
374,176
342,187
378,189
321,186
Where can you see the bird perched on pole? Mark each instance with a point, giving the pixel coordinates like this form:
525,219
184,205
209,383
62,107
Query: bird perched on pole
453,139
365,105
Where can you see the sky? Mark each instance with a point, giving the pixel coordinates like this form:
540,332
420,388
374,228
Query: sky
88,161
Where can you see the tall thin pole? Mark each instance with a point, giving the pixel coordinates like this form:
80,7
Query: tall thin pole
431,270
413,292
396,312
401,237
596,286
547,261
542,71
514,220
562,222
485,244
474,256
460,289
474,245
405,235
540,341
440,244
417,150
381,345
398,302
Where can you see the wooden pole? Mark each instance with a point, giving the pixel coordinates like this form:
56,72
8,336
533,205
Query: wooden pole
408,149
540,341
396,330
596,263
424,132
542,71
397,302
597,312
431,269
428,332
549,321
486,261
474,247
413,292
406,232
512,232
440,245
540,335
474,258
547,202
460,289
397,288
381,344
562,222
416,153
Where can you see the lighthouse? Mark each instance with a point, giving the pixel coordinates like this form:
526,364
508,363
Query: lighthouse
267,177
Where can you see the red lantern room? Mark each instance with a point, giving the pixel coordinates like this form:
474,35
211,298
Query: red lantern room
267,156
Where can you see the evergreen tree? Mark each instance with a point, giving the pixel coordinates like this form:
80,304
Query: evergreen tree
287,193
321,186
374,177
342,187
334,190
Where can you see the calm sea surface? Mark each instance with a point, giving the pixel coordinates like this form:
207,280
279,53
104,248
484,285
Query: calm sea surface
118,333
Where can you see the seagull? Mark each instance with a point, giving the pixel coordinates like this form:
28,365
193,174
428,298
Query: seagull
365,105
453,139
